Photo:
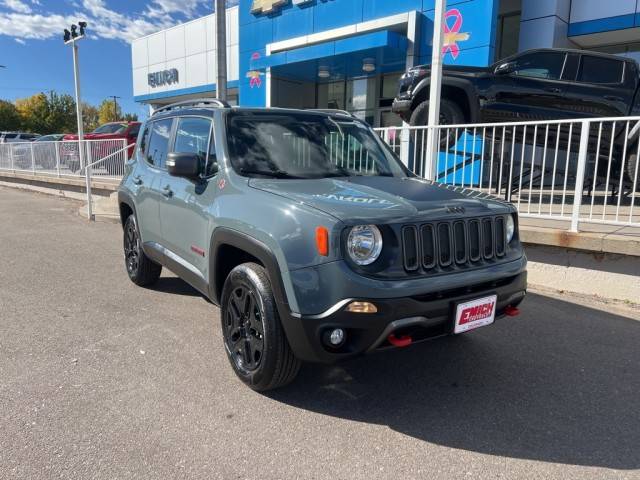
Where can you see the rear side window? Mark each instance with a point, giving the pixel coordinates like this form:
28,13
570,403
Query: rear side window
156,152
192,136
600,70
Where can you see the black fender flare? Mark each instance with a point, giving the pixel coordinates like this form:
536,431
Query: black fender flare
227,236
127,199
464,85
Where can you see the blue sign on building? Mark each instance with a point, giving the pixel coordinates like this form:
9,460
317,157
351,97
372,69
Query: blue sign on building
349,53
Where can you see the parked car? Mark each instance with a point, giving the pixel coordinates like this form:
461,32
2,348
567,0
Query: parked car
109,131
311,235
543,84
54,137
15,137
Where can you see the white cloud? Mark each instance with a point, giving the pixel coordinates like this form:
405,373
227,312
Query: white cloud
17,6
24,22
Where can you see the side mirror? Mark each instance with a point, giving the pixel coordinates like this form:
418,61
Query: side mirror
505,68
187,165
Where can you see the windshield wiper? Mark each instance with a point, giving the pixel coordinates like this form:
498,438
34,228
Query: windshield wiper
275,173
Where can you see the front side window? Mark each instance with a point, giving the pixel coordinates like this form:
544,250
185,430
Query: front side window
156,152
546,65
192,136
600,70
306,145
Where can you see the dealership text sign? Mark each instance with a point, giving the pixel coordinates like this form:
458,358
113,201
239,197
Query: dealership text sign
164,77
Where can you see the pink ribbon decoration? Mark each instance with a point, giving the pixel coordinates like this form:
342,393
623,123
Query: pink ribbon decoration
452,34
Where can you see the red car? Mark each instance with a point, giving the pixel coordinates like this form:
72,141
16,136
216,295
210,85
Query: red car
109,131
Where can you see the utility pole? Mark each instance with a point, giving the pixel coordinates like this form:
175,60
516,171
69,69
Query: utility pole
115,107
221,49
71,38
435,89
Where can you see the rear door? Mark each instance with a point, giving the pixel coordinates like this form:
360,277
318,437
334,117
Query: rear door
185,210
146,178
602,88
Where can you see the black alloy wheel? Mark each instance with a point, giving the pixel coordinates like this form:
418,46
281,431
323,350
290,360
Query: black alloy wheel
141,269
244,330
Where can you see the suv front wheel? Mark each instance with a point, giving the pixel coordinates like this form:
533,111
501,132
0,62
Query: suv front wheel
255,342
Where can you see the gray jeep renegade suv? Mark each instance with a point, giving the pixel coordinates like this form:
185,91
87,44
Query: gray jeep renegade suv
312,237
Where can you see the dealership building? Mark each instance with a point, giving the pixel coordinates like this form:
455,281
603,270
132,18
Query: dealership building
349,54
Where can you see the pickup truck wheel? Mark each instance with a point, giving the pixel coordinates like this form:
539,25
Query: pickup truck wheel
450,114
633,172
255,342
141,269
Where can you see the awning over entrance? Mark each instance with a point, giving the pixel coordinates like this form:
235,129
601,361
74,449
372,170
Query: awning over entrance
342,58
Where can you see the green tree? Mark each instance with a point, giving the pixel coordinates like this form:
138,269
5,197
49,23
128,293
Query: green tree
61,117
108,112
9,116
130,117
34,111
90,118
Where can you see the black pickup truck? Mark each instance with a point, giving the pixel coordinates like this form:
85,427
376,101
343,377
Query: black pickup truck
543,84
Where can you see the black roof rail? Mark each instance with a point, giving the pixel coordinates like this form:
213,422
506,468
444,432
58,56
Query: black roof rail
205,102
332,110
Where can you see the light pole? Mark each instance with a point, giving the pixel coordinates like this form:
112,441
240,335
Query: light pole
221,49
71,38
115,107
434,90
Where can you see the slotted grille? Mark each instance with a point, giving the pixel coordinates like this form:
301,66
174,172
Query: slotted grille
459,243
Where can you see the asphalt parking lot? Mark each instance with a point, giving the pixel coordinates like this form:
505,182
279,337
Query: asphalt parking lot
102,379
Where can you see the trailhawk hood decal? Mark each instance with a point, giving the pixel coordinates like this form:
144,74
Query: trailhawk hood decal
381,199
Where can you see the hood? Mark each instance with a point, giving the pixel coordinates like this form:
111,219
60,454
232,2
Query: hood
381,199
458,70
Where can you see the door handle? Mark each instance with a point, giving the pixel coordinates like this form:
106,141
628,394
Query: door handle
167,192
553,90
137,180
613,98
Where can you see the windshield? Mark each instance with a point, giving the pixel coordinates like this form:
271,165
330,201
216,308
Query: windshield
111,128
306,145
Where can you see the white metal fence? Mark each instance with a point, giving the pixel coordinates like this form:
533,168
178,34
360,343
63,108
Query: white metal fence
105,157
577,170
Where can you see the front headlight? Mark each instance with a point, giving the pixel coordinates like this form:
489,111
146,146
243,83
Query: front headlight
364,244
511,228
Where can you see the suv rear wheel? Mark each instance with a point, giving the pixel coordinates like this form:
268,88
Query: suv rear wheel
141,269
253,336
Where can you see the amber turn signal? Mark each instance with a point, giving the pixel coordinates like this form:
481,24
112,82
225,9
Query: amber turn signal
322,241
361,307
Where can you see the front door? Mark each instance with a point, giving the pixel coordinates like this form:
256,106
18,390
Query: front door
187,208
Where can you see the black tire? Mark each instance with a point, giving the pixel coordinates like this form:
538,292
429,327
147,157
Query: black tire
633,171
254,339
141,269
450,114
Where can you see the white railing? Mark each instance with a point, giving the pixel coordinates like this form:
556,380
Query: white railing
576,170
106,158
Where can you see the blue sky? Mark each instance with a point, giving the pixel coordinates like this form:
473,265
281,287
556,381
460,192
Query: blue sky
37,60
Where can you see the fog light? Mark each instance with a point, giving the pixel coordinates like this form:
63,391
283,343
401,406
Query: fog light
361,307
336,337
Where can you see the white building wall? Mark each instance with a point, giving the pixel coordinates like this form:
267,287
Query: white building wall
189,48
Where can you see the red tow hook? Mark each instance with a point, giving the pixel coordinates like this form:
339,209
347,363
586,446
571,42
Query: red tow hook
403,341
511,311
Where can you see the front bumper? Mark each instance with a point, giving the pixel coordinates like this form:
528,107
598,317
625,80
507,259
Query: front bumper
421,316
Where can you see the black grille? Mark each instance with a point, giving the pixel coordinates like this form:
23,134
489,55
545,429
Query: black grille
459,243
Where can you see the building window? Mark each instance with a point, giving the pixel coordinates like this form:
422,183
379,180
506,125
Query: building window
508,35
